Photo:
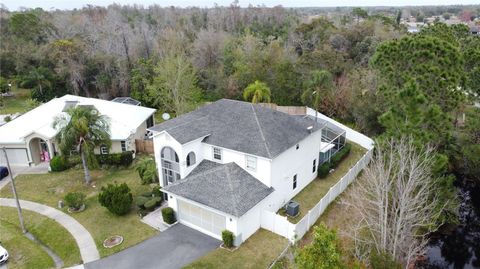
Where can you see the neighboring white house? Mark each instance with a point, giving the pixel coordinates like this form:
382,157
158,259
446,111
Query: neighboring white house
223,164
31,136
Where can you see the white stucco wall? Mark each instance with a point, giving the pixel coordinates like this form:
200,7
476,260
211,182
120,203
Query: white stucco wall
291,162
250,222
262,172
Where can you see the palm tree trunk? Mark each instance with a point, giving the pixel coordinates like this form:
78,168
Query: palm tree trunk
85,167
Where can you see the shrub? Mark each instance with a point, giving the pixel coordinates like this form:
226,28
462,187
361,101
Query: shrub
340,155
140,201
323,170
7,119
227,238
168,215
75,200
3,85
147,194
152,203
116,198
383,260
156,192
147,170
58,163
120,159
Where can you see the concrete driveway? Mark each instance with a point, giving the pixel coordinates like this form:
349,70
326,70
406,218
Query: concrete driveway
171,249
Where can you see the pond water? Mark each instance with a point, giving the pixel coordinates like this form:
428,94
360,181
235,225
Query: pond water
460,248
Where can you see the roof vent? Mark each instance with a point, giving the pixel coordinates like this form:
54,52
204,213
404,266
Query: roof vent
310,128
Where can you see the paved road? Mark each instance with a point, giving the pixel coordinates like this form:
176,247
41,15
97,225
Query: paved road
88,249
171,249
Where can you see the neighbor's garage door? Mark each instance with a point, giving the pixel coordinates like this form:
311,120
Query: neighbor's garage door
203,218
15,157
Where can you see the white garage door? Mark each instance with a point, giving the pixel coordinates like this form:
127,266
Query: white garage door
15,157
207,220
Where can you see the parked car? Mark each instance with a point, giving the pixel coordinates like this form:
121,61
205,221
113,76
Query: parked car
3,172
3,255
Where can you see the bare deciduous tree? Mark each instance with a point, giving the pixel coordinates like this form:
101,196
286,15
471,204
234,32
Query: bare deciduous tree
397,202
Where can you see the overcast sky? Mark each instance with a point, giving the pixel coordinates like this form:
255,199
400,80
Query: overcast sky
70,4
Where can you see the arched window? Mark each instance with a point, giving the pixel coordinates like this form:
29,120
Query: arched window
169,154
190,158
170,165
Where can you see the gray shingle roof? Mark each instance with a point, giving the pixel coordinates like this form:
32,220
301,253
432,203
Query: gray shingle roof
225,187
240,126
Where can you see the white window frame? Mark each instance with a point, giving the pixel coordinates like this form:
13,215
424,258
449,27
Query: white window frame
104,150
251,162
219,153
123,145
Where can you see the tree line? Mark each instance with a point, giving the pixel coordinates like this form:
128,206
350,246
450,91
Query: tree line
412,92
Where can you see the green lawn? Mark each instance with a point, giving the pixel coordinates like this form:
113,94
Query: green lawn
49,188
44,229
257,252
314,192
15,103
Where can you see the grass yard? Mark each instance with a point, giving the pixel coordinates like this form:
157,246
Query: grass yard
49,188
15,103
23,252
27,254
257,252
314,192
337,216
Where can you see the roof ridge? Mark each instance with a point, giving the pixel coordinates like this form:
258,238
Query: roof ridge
261,131
185,123
234,202
208,171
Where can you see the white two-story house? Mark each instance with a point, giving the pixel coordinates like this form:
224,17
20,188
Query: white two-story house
223,164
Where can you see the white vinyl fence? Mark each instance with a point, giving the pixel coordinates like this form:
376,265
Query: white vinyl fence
313,214
280,224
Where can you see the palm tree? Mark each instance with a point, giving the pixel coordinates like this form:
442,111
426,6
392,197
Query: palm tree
257,92
321,80
41,78
82,128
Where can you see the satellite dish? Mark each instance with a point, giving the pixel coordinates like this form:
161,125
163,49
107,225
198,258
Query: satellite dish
165,116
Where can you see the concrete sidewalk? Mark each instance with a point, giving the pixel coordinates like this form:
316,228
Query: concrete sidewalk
85,242
155,219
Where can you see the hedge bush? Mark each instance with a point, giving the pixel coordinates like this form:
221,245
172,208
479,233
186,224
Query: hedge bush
147,170
147,194
227,238
140,201
168,215
340,155
152,203
58,164
74,200
156,192
120,159
323,170
116,198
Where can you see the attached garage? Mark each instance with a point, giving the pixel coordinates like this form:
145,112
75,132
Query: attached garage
16,156
214,197
202,218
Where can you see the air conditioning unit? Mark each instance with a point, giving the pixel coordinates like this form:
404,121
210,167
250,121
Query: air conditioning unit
292,208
